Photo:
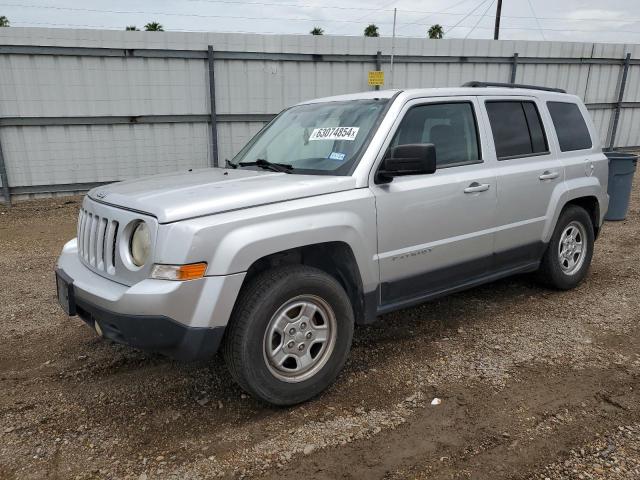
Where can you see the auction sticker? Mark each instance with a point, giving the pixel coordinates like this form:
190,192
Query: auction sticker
334,133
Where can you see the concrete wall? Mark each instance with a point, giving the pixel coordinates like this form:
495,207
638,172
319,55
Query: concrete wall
113,105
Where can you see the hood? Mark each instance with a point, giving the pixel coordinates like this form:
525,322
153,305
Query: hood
182,195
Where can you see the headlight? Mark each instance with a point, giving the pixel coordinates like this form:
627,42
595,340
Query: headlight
140,244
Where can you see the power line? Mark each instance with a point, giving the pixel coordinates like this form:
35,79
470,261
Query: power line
537,30
374,10
480,19
177,14
468,14
299,19
117,28
537,21
440,12
292,5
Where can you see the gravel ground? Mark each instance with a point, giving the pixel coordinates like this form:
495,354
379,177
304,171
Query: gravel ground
532,383
614,456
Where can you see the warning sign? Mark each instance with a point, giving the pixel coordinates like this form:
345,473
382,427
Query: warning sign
376,77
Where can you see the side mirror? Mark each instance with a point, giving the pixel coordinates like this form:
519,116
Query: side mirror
412,159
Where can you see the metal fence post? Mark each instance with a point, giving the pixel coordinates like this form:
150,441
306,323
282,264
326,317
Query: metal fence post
4,179
616,112
213,161
514,68
378,65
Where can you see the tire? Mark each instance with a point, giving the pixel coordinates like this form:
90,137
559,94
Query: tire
269,309
567,272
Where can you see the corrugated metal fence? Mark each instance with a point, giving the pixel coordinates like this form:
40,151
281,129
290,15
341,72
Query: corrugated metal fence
84,107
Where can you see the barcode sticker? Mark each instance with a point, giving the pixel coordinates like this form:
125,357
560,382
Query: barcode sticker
334,133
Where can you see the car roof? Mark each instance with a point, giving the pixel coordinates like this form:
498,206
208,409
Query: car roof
411,93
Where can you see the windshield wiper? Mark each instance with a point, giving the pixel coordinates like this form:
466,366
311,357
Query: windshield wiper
267,165
228,164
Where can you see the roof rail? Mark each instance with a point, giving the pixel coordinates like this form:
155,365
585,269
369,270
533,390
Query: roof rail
475,83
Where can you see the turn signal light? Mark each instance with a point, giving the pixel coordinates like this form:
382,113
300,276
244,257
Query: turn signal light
191,271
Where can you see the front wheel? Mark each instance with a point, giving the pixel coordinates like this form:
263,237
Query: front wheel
568,256
289,335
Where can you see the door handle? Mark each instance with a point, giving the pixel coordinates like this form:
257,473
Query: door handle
476,187
548,175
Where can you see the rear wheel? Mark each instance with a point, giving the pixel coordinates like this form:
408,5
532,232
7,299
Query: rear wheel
568,256
289,335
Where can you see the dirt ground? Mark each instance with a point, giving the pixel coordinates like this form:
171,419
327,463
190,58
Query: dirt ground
533,383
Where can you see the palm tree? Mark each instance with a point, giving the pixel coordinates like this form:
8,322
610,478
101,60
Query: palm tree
436,32
132,28
371,31
317,31
4,21
154,27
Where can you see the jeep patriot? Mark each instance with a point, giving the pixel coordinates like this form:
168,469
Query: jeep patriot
339,210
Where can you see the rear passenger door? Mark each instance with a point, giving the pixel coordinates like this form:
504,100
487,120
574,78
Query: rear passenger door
527,172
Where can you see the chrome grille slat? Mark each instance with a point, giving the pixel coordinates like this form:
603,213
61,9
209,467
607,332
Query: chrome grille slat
92,240
96,241
85,240
108,244
100,243
81,238
79,232
111,247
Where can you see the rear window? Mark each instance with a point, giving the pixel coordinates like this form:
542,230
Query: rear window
517,129
570,126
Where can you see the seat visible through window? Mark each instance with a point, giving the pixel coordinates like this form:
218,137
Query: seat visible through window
450,127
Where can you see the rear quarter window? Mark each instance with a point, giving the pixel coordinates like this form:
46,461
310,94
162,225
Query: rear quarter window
570,126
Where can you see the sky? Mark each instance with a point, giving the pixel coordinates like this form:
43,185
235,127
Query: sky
557,20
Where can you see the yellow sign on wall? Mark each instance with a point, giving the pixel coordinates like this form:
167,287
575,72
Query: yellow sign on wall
376,77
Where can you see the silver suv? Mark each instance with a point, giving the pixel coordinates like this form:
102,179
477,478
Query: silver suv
339,210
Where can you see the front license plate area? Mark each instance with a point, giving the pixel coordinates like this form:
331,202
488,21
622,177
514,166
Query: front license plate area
66,299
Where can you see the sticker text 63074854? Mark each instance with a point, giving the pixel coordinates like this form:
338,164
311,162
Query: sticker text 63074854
334,133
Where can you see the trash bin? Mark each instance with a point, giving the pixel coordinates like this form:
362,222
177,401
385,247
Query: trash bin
622,166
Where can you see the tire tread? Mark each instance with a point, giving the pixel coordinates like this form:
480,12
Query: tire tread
241,319
549,273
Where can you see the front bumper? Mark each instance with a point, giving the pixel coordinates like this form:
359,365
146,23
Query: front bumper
185,320
153,333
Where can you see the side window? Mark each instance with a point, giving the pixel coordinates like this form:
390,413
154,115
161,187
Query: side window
451,127
536,130
572,131
517,129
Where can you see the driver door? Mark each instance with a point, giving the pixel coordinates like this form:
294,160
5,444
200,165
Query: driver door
435,231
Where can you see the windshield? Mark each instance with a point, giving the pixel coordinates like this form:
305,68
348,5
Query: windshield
318,138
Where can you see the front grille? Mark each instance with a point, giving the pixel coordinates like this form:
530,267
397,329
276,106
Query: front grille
97,241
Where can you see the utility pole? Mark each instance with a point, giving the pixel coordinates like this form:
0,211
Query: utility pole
496,29
393,42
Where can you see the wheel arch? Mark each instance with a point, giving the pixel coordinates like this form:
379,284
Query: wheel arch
335,258
586,193
592,206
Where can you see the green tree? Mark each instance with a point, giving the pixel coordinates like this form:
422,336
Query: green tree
4,21
436,32
154,27
317,31
132,28
371,31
